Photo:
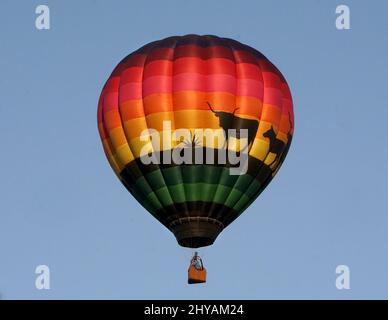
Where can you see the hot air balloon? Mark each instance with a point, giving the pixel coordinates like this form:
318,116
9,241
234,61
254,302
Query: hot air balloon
151,112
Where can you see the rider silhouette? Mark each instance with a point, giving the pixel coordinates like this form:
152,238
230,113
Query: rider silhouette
196,261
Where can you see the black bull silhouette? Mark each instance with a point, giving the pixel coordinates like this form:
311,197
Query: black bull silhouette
228,121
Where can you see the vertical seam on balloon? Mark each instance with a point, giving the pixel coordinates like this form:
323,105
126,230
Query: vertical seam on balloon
212,207
111,147
235,106
129,146
155,210
145,117
239,177
269,178
285,149
109,144
204,204
172,100
264,183
276,163
262,164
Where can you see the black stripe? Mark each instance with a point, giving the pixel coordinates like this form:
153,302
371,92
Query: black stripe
135,169
217,211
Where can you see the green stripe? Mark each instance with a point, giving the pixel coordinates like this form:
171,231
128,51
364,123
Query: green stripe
194,193
206,183
193,174
143,201
151,198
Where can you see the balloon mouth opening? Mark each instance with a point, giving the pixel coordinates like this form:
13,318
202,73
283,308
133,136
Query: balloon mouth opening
195,242
196,232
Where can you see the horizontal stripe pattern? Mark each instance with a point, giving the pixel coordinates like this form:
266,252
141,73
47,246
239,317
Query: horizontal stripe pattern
174,79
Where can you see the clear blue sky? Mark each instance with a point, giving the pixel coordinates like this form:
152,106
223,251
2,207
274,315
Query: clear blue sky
61,205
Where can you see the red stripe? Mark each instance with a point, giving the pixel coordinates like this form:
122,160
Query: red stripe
110,98
193,82
131,91
273,96
205,83
192,65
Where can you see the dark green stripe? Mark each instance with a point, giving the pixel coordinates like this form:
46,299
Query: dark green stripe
193,174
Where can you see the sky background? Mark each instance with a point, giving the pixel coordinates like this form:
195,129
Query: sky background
61,204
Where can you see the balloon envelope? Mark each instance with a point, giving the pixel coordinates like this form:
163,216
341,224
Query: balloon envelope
195,83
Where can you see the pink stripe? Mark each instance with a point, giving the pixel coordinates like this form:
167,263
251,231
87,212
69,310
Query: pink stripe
131,91
273,96
251,88
193,66
133,74
205,67
207,83
248,71
191,82
271,79
110,101
287,106
157,84
158,68
286,90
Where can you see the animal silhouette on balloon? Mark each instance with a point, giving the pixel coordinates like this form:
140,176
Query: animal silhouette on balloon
277,146
229,121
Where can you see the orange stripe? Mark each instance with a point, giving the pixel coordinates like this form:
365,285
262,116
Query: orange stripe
190,119
112,119
248,107
101,130
132,109
193,100
271,113
117,137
